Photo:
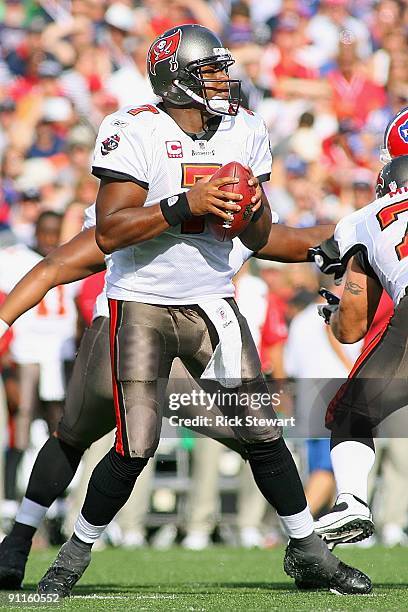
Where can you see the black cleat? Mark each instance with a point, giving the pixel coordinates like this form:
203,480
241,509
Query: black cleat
348,580
311,571
67,569
14,553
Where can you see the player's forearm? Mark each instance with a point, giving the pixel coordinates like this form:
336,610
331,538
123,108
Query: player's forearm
290,244
129,226
348,329
73,261
28,292
256,235
343,333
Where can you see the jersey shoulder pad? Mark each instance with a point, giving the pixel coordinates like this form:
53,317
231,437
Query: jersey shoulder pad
346,232
250,119
125,117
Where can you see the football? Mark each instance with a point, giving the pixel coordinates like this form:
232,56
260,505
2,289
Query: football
226,230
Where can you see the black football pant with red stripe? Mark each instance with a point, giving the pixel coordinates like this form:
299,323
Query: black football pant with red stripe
377,385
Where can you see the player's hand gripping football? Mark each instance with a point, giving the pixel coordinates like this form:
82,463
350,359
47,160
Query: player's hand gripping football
207,197
326,310
326,256
257,198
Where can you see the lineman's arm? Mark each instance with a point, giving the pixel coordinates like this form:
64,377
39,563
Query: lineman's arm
358,305
72,261
291,244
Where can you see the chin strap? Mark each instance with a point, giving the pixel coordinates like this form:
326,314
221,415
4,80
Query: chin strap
218,106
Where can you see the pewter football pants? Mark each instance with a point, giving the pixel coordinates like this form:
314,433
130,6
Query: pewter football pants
145,339
89,412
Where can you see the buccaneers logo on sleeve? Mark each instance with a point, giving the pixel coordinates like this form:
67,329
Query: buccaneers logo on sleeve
165,49
110,144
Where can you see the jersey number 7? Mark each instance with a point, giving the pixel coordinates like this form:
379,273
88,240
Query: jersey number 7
388,215
190,174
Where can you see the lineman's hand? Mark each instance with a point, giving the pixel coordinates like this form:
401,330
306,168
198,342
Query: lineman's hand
326,256
326,310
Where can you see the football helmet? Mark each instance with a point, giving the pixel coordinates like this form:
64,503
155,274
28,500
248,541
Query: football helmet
174,63
392,176
396,137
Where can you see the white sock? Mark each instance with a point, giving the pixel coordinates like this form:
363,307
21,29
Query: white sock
30,513
352,462
86,532
298,525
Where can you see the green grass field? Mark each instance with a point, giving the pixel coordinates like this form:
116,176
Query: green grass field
217,579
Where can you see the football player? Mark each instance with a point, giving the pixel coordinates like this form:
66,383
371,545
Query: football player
43,338
355,522
373,243
170,291
88,412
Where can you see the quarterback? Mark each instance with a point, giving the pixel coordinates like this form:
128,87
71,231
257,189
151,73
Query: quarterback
170,291
171,295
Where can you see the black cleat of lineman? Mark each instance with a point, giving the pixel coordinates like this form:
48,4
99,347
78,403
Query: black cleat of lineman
13,559
310,573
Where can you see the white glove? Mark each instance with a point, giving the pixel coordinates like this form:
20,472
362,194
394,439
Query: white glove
326,310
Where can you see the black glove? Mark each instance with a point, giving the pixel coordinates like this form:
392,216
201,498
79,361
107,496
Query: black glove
326,256
326,310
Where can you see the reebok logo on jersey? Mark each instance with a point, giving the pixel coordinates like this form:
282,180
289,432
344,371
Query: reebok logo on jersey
119,123
174,148
110,144
165,49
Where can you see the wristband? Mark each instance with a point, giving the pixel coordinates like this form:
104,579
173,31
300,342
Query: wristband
176,209
4,327
258,214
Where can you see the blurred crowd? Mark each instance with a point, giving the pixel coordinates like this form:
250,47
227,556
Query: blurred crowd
326,75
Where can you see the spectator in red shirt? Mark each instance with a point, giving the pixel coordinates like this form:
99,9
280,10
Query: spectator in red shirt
354,96
288,39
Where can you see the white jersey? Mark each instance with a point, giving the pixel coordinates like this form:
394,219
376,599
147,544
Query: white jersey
380,230
238,255
47,331
185,263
